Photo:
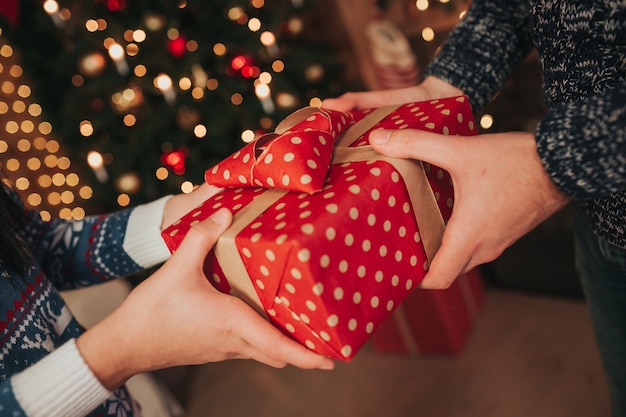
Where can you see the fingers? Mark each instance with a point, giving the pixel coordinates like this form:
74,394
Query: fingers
203,236
265,343
451,260
410,143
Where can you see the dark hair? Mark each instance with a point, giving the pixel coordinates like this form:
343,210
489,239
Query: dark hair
15,253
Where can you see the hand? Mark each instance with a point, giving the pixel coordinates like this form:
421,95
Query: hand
431,88
176,317
179,205
501,192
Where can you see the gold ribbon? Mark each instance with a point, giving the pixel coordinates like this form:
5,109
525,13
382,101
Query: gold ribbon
422,198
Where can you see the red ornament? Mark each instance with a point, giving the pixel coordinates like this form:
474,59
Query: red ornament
177,46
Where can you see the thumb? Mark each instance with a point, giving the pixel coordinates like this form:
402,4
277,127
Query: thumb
202,236
431,147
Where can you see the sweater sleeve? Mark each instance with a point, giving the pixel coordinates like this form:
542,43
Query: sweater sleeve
98,248
583,144
484,48
65,387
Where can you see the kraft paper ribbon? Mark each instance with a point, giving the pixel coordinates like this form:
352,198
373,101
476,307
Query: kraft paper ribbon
425,207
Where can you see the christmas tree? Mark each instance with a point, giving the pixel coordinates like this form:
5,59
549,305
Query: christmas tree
146,95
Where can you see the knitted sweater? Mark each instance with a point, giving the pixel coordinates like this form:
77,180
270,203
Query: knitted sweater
582,52
41,370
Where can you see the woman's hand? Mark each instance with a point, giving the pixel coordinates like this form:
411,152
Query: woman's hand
176,317
179,205
501,192
431,88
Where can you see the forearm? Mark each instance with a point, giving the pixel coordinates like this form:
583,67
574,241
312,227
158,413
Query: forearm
583,145
483,49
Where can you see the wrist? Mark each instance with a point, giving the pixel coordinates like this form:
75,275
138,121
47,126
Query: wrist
437,88
105,349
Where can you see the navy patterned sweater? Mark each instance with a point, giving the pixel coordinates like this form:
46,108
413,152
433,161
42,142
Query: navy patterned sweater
582,51
41,371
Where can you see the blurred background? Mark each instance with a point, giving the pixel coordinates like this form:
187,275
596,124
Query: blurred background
106,104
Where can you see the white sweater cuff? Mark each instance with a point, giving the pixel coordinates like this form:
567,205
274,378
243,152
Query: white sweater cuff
143,241
60,384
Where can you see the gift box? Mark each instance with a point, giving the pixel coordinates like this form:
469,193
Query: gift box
329,236
433,321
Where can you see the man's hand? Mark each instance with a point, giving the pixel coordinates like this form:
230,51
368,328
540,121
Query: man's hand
176,317
431,88
501,192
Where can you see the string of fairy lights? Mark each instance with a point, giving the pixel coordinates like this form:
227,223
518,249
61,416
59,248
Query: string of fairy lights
31,156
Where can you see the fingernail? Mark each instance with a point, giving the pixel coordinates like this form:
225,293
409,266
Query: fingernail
380,136
221,216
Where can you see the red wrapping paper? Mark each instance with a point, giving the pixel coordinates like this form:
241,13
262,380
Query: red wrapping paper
327,262
433,322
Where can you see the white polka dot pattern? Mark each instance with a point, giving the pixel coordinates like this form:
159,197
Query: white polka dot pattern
331,266
295,159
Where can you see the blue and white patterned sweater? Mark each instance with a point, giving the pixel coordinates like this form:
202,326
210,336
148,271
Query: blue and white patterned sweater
582,52
41,371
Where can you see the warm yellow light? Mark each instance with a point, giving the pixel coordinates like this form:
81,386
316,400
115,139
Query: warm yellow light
162,173
129,120
428,34
123,200
12,164
22,183
184,83
6,51
33,164
219,49
262,90
278,65
187,187
139,35
12,126
34,109
86,128
163,82
51,6
265,77
23,145
254,24
19,106
72,179
34,199
140,70
268,38
78,213
64,163
45,128
200,131
50,161
315,102
95,159
91,25
236,99
44,181
85,192
247,136
116,51
486,121
58,179
212,84
422,5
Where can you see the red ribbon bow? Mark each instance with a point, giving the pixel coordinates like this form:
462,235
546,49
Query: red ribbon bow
295,157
